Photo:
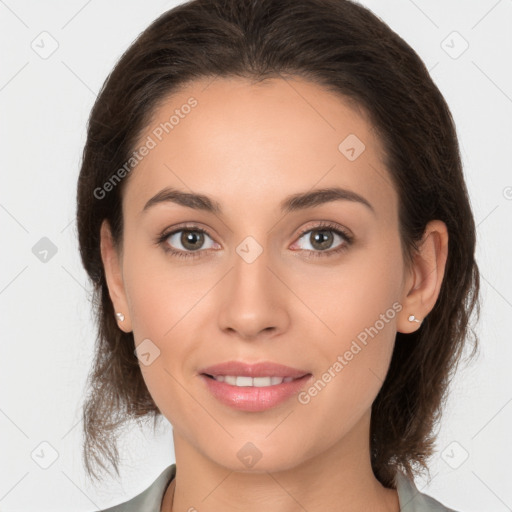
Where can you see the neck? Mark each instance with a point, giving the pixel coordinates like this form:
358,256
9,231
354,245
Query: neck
340,478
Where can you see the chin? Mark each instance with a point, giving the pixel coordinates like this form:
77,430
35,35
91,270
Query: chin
253,459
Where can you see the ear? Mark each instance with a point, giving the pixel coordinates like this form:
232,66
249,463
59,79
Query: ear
114,276
425,278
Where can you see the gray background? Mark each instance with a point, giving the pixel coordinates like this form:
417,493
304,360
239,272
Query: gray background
47,334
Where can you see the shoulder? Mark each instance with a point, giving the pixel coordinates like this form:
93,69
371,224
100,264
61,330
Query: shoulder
149,500
412,500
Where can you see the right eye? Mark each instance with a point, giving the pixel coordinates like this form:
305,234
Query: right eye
191,239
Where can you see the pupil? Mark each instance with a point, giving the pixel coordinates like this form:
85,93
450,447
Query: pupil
191,238
322,239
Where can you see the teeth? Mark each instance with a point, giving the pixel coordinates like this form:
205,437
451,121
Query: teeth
259,382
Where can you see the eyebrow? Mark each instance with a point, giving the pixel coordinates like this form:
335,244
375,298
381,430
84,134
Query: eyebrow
293,203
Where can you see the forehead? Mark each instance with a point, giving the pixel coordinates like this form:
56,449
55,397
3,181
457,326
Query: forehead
228,137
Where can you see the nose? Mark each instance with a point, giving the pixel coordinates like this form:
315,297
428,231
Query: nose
254,302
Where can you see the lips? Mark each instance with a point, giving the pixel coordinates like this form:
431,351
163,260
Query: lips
263,369
254,398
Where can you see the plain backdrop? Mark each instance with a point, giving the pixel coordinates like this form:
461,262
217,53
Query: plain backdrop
47,330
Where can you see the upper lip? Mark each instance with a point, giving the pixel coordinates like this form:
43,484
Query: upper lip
263,369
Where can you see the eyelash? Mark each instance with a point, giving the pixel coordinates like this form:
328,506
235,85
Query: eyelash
325,226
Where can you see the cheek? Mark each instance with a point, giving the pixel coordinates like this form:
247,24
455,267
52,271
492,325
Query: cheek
356,296
355,364
358,306
163,303
159,292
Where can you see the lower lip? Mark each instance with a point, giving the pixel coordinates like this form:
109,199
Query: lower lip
252,398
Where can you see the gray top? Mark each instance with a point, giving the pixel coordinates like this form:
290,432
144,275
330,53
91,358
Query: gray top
150,500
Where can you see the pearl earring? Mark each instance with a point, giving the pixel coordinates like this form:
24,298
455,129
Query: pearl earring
120,316
412,318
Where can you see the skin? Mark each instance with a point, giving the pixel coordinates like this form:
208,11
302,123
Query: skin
248,146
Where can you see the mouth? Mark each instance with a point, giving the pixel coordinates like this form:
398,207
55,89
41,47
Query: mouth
240,373
245,381
253,388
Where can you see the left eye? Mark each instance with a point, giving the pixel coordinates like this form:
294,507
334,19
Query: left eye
322,238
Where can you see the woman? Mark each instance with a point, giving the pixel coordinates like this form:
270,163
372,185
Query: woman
272,209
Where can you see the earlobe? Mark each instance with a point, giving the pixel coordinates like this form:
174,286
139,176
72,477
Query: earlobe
424,284
114,277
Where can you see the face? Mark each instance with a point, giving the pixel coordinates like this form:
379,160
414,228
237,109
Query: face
317,285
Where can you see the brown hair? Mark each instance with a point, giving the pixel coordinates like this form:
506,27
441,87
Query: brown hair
347,49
